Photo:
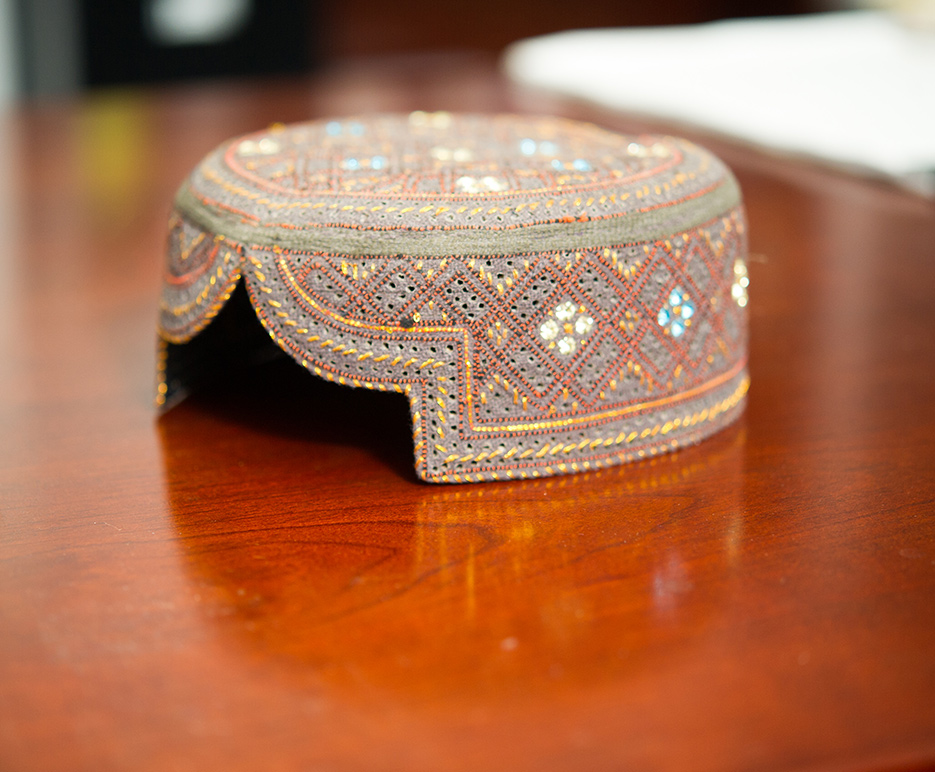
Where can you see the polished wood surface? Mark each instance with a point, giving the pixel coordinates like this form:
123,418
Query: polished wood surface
257,581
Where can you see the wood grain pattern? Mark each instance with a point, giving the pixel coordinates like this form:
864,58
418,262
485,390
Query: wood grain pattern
257,581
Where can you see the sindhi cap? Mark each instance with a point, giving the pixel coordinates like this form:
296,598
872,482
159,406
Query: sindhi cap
550,296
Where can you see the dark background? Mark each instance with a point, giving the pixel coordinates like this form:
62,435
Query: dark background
71,45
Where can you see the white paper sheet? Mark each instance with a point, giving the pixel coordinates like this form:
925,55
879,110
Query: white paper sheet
852,88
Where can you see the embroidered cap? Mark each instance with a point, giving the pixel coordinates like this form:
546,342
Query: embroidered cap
550,296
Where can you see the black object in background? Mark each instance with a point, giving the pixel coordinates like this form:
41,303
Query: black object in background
145,41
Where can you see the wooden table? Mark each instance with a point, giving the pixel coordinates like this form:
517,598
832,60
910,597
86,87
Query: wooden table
257,582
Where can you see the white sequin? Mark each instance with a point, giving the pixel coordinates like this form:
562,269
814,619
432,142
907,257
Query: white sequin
564,311
738,289
267,146
549,329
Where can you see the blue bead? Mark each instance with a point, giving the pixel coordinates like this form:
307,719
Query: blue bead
356,128
675,297
664,317
351,163
527,146
557,165
677,328
581,165
333,128
688,310
377,162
